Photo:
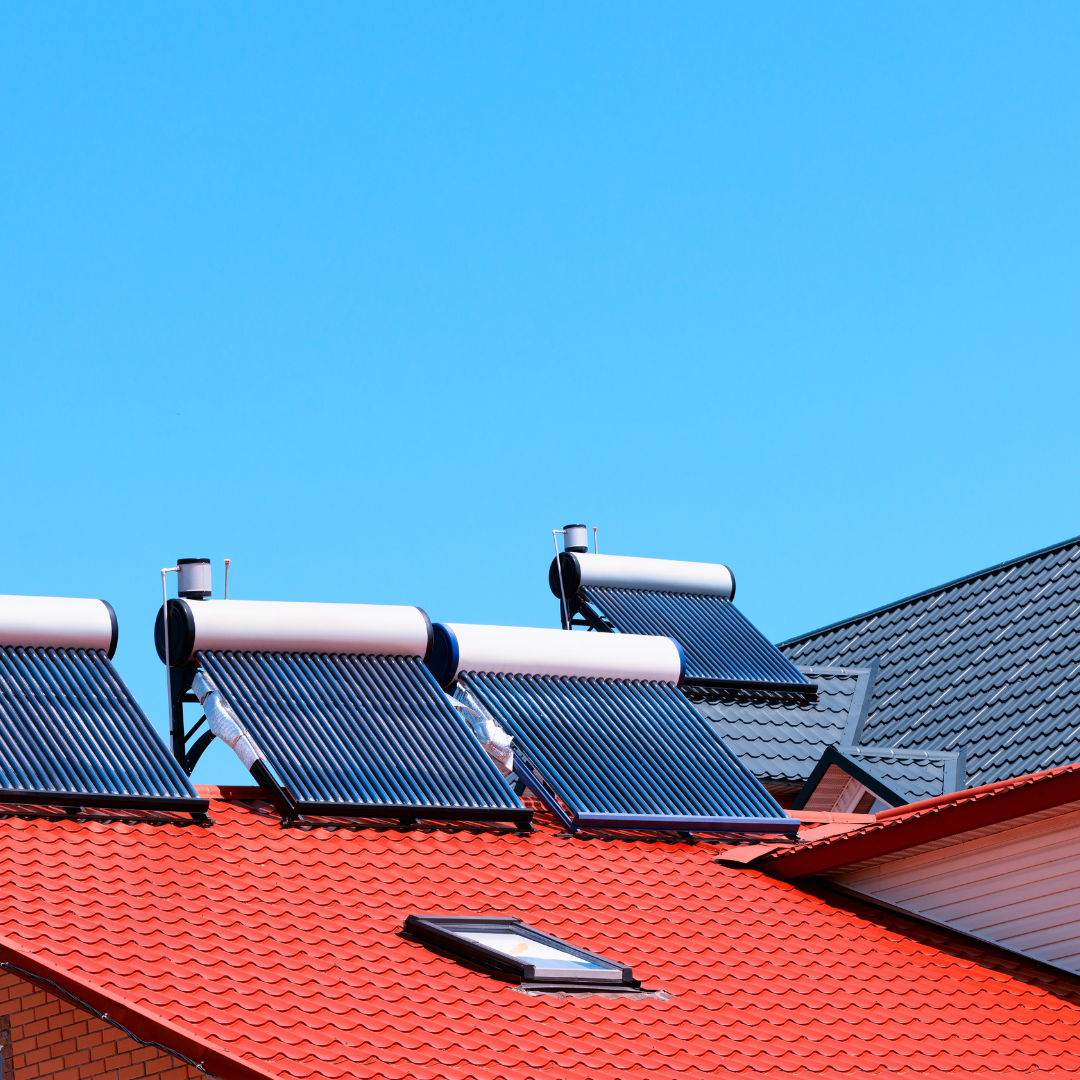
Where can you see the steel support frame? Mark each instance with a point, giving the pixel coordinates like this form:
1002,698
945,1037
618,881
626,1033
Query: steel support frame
184,750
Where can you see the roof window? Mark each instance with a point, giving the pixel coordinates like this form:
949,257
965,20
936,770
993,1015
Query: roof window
509,949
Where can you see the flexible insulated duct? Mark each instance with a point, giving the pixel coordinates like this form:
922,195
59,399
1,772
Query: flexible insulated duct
526,650
58,622
581,570
281,626
224,723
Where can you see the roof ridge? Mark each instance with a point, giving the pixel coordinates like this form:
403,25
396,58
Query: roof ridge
935,589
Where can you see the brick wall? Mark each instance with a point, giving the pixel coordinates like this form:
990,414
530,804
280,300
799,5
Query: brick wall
51,1037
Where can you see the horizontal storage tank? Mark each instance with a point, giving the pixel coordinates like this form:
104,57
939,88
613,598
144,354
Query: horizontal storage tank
526,650
284,626
58,622
581,570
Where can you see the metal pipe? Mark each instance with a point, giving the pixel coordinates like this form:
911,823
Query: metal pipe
165,633
595,549
562,588
227,561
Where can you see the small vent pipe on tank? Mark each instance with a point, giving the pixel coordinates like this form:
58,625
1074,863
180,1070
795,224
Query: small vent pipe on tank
227,561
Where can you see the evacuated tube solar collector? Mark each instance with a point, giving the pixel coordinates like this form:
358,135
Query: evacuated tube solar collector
332,710
601,731
71,733
691,602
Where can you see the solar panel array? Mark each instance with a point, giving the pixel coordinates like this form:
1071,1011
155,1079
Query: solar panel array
624,754
362,736
722,647
71,734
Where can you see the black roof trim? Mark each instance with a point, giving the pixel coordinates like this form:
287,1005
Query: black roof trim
869,780
929,592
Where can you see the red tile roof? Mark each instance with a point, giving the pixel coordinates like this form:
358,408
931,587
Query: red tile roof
271,952
1005,804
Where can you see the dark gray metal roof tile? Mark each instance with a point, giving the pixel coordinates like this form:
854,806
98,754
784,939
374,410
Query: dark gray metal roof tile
783,741
991,660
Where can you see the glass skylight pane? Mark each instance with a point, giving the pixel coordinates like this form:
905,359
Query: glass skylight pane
530,952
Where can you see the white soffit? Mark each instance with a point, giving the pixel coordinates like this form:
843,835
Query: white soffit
1016,889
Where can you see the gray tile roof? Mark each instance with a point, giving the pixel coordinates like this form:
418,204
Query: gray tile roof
914,774
989,662
783,742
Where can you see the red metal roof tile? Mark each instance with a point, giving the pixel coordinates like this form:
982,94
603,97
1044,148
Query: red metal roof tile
271,952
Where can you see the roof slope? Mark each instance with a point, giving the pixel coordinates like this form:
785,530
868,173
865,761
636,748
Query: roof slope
281,948
990,663
782,741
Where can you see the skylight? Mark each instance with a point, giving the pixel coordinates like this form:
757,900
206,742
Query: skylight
509,947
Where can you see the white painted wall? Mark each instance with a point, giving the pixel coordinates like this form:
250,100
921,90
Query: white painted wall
1019,889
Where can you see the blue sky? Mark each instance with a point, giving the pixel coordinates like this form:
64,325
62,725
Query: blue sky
370,297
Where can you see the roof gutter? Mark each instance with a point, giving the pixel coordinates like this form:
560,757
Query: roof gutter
907,827
141,1023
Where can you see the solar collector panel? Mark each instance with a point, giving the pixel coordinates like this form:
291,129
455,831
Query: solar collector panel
72,734
362,735
626,753
721,646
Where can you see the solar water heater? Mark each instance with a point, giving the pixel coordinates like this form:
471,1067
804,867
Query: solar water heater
332,710
599,730
72,734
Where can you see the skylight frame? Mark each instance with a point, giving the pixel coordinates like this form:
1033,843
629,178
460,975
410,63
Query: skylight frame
445,933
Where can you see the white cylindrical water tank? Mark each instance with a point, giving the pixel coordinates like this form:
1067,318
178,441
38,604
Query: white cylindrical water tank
284,626
581,569
59,622
527,650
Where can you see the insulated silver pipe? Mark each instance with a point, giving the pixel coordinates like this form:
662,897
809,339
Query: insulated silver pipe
223,722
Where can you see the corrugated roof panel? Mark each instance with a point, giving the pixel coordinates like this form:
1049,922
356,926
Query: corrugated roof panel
990,662
71,733
364,735
626,754
720,644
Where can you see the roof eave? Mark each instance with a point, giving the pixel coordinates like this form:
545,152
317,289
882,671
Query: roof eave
143,1024
898,833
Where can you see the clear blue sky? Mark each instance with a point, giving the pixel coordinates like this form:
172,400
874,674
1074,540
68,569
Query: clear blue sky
369,297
